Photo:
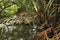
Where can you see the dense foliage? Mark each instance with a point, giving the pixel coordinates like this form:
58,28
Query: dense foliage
23,19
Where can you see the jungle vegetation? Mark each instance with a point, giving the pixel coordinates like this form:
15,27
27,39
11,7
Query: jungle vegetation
29,19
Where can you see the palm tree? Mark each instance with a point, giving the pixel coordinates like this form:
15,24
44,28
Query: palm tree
47,14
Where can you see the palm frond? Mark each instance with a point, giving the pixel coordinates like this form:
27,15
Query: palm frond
53,10
49,5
